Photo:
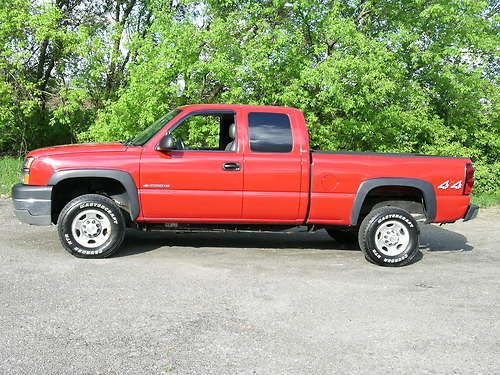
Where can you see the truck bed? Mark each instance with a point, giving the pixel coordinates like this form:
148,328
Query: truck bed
336,178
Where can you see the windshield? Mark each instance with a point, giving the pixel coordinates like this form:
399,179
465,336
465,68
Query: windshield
145,135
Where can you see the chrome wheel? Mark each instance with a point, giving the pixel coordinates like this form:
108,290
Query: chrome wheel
392,238
91,228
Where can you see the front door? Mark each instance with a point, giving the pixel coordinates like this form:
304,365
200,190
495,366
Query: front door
202,179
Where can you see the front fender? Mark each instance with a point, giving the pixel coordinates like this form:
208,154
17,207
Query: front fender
121,176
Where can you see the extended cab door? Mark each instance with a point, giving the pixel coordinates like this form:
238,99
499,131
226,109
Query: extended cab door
201,180
276,155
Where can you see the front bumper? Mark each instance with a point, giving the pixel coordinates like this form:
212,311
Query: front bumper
472,212
32,204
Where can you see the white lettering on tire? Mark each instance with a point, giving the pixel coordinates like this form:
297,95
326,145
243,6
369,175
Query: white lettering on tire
102,207
395,216
395,260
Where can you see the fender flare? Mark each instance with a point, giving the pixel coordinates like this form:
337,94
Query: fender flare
368,185
121,176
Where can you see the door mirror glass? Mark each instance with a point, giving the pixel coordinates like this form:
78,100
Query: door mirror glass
167,143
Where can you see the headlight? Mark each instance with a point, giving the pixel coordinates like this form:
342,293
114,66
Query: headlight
25,173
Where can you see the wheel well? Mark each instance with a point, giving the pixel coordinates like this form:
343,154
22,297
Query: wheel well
70,188
408,198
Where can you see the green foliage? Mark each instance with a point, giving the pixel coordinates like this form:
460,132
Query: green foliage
10,174
397,75
486,200
487,177
199,132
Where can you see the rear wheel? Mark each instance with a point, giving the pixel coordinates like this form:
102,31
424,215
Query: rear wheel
91,226
388,236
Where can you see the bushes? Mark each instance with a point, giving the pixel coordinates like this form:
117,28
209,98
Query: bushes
10,174
398,76
487,178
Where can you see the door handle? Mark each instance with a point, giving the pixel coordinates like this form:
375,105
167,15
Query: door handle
231,166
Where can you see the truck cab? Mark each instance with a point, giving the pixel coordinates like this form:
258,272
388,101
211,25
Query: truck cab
227,164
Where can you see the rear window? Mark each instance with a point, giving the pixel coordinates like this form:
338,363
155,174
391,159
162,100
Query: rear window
269,132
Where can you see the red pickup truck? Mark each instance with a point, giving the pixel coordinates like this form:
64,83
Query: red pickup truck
239,167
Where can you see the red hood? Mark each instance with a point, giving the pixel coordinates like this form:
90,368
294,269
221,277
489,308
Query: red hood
77,148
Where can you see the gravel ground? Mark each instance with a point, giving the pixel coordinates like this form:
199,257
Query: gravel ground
249,304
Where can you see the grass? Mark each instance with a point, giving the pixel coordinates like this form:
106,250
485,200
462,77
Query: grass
487,199
10,168
10,174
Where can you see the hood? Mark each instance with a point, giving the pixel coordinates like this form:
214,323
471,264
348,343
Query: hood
77,148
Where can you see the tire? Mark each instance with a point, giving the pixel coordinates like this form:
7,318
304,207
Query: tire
347,235
388,236
91,226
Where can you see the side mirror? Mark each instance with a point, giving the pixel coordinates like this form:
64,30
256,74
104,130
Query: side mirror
167,143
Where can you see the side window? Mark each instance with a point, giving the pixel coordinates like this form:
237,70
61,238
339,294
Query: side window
269,132
206,132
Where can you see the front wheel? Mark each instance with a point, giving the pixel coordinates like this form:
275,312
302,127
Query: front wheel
388,236
91,226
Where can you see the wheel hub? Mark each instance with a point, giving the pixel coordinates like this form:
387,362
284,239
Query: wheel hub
392,238
91,228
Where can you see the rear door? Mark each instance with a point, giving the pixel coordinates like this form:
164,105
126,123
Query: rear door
273,168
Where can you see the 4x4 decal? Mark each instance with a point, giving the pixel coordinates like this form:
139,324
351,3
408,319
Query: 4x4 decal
446,185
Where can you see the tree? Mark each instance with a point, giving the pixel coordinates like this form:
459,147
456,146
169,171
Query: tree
393,75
